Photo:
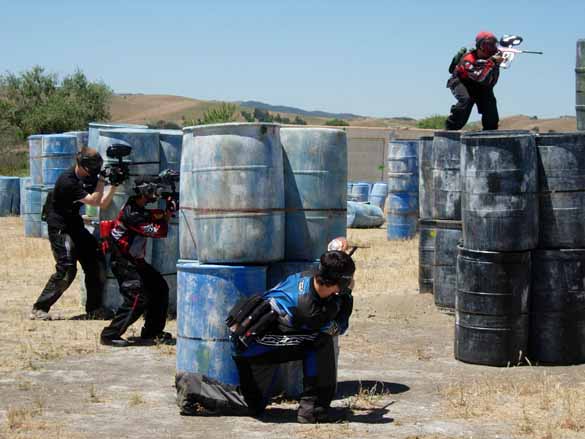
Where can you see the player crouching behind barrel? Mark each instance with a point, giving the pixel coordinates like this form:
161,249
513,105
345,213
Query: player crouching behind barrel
296,320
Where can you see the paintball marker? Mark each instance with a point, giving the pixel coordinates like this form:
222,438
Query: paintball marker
117,173
162,186
507,50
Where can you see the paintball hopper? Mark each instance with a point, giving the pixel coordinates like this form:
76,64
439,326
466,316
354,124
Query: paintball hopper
510,40
118,151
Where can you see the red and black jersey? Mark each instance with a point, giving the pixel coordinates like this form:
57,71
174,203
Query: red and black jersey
480,71
133,225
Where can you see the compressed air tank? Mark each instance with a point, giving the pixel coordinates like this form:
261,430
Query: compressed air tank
315,177
232,194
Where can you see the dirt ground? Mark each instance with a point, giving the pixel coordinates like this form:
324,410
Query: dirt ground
397,376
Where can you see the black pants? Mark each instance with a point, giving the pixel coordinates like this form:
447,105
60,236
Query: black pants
68,247
257,368
144,291
468,95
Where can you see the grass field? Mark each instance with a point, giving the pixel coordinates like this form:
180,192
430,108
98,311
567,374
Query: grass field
397,374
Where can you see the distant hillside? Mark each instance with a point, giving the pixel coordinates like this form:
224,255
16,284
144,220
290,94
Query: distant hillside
141,108
294,110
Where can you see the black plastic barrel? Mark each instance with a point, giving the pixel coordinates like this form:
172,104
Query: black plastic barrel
447,237
557,308
491,310
580,85
425,177
561,178
446,185
426,255
500,183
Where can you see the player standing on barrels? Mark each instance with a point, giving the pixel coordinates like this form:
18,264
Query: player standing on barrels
70,240
474,75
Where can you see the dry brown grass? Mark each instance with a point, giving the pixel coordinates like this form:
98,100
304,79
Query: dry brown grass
27,264
536,404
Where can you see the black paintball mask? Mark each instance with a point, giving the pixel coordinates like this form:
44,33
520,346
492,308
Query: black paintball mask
146,188
91,163
336,268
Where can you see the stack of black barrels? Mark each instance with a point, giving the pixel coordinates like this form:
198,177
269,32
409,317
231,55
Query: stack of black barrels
521,266
440,216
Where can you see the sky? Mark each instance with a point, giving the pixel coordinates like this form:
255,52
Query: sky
372,58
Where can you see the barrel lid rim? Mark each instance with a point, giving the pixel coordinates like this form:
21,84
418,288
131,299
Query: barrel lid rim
496,133
129,130
190,263
309,128
494,255
192,128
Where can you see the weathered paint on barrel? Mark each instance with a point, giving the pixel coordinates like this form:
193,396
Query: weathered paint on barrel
447,238
144,160
32,211
378,195
359,192
403,166
81,136
426,255
289,379
9,196
349,186
205,295
315,174
44,192
500,184
580,85
561,178
232,193
491,317
35,152
93,134
171,144
402,215
25,183
425,177
58,155
363,216
557,307
446,184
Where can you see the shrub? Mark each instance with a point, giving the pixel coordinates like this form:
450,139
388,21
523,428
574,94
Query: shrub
435,122
337,123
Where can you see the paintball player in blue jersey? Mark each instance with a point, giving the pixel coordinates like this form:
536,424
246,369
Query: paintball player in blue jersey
295,320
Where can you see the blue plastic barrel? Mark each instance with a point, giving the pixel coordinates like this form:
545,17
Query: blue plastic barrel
360,192
144,160
402,189
165,254
81,136
205,295
35,152
32,210
93,134
315,172
232,193
349,186
402,215
378,195
58,154
171,144
403,166
363,216
44,192
25,183
9,196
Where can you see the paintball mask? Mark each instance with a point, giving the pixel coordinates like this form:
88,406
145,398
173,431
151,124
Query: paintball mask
487,42
146,188
91,163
